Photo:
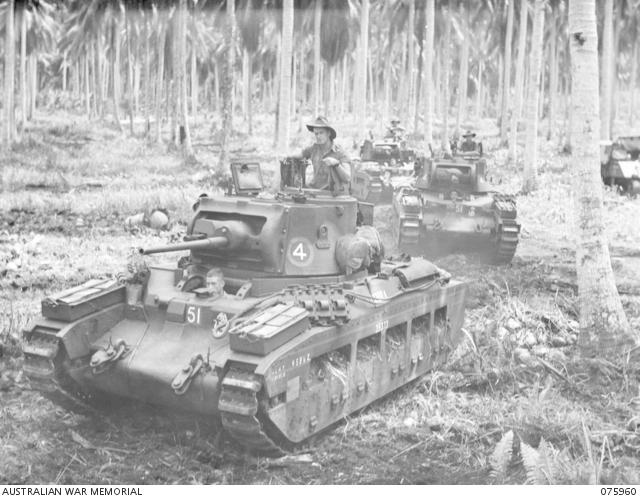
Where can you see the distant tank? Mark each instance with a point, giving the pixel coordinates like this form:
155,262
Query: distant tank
384,166
620,163
284,318
452,209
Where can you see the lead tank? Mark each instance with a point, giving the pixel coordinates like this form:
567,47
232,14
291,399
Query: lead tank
279,321
452,209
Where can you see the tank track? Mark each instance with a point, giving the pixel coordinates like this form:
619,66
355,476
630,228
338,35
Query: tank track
239,410
507,236
238,403
407,235
43,358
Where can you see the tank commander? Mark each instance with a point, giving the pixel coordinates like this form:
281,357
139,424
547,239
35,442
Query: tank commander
394,130
331,164
468,144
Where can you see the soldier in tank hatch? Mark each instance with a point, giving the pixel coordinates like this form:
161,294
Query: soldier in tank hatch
330,162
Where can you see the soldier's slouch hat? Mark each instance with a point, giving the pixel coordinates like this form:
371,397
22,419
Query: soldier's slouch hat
322,122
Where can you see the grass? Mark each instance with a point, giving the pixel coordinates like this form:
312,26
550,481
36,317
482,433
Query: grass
65,192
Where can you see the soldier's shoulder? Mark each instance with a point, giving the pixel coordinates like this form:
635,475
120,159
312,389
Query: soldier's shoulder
306,152
338,148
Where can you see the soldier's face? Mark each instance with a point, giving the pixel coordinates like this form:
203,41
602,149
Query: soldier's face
215,284
322,135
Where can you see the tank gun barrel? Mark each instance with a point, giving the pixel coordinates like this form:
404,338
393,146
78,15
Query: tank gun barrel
208,243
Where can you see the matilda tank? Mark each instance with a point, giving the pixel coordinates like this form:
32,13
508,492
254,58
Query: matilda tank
384,166
620,163
451,208
283,317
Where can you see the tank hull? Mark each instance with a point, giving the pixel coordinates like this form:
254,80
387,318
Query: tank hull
485,225
266,401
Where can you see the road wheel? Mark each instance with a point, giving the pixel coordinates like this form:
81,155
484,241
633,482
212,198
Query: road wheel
634,188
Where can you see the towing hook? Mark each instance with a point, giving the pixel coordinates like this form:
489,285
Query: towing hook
102,359
183,379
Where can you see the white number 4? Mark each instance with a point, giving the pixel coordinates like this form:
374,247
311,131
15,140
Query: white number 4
299,252
193,315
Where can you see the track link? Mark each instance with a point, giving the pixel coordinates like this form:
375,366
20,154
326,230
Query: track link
239,411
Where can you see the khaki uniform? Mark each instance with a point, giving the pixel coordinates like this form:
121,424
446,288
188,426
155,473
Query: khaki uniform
321,176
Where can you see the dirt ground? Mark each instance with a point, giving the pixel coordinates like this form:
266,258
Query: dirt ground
65,193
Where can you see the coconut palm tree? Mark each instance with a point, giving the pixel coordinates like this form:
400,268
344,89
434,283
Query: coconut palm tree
8,130
227,80
607,72
317,24
519,81
361,74
428,77
604,330
284,107
181,66
249,25
446,12
530,182
506,85
463,73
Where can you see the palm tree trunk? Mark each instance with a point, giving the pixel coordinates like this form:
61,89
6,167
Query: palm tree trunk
419,89
317,20
615,81
216,88
181,77
519,84
531,145
23,65
633,80
446,62
76,78
286,52
116,69
294,90
506,84
129,34
146,77
245,77
9,75
344,86
63,67
250,94
87,85
464,70
606,72
227,82
33,62
162,40
500,92
136,83
361,78
604,330
387,75
411,60
98,74
194,83
553,77
480,89
437,81
403,84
